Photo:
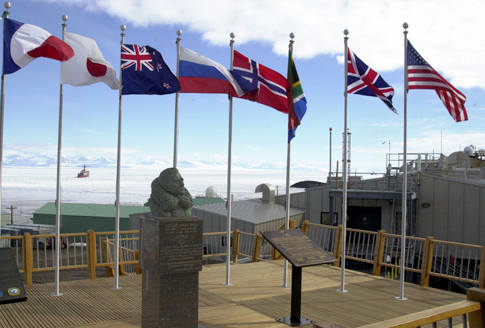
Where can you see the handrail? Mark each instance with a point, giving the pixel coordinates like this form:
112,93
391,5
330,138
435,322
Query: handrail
429,316
471,311
383,251
366,246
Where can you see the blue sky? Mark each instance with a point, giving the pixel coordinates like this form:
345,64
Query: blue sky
445,35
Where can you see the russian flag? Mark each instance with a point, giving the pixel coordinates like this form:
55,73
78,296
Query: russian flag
24,42
199,74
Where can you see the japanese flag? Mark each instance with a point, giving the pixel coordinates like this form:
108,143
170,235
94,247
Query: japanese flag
88,65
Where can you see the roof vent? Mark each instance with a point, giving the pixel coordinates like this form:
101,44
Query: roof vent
268,193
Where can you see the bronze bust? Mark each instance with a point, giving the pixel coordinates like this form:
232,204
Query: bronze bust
169,197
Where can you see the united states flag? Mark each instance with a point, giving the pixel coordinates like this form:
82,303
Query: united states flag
422,76
363,80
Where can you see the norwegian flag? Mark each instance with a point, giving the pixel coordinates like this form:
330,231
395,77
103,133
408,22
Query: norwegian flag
132,54
363,80
270,85
422,76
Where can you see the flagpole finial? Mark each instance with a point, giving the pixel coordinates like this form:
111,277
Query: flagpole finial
232,35
346,32
7,7
292,35
64,18
123,28
179,32
405,25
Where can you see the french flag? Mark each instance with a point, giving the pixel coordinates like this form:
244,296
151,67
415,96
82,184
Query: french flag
199,74
24,42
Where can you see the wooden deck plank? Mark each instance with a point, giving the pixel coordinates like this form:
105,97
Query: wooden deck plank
256,299
235,316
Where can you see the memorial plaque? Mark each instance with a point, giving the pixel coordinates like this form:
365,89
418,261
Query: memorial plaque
180,246
171,260
298,248
300,251
11,286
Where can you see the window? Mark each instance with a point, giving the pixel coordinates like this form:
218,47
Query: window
325,218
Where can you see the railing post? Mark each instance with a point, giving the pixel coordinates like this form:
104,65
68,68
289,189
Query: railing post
28,258
257,247
235,245
379,252
292,224
137,265
121,265
337,248
476,319
110,271
91,246
427,261
306,226
481,272
274,253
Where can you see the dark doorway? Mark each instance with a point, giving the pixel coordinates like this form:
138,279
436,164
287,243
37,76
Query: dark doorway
364,218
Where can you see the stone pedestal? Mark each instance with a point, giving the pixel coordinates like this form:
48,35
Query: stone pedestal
171,258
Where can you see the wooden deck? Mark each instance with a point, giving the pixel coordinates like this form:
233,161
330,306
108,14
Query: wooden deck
256,299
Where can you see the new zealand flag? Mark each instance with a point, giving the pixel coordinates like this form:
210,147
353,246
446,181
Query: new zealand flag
363,80
145,72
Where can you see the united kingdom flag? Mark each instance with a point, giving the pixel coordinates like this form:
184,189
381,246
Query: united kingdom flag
363,80
145,72
132,54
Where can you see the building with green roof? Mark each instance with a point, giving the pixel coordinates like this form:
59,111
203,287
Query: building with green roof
84,217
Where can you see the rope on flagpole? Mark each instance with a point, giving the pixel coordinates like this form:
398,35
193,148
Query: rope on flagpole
344,167
57,242
405,169
118,176
288,164
2,106
229,174
176,120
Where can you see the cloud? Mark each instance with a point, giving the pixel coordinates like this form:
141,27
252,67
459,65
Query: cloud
445,34
253,148
451,142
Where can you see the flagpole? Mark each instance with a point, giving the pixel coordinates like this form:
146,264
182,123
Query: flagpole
344,167
288,164
330,162
176,123
2,106
405,168
229,174
57,243
118,177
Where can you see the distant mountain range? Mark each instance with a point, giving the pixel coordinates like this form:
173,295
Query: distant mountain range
42,160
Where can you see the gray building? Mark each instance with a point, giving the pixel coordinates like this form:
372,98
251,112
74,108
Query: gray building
446,199
251,216
248,216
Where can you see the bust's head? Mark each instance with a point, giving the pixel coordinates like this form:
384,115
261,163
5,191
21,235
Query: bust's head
171,180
